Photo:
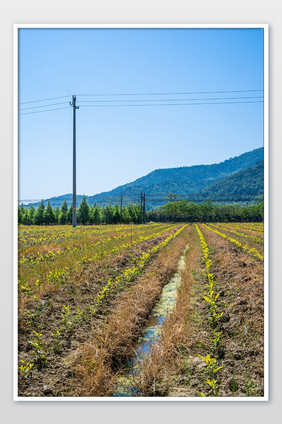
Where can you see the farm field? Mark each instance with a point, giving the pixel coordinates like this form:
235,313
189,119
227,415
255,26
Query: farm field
86,295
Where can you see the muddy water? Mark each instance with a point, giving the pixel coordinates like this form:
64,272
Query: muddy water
152,332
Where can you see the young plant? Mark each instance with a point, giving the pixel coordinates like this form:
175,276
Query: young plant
56,341
39,350
211,365
68,323
211,370
25,369
249,385
213,385
216,339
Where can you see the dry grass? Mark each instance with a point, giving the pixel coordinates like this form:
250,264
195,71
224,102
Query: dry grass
168,353
106,353
44,314
174,367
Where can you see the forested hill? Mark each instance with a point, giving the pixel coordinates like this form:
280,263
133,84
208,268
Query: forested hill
183,181
241,186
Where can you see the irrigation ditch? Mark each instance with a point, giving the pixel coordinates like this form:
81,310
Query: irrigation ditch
126,386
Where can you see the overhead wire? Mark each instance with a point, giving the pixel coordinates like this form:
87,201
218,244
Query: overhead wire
43,100
41,111
174,104
145,102
168,93
169,100
35,107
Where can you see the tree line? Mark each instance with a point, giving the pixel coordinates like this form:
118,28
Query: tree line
173,211
86,215
184,211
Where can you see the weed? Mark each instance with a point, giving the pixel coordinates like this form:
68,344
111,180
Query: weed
250,385
39,350
213,385
216,339
211,365
56,341
68,324
25,369
211,370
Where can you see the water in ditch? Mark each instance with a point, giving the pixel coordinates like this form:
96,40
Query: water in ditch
151,334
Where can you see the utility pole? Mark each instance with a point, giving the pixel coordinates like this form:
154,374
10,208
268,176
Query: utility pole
144,210
120,209
73,104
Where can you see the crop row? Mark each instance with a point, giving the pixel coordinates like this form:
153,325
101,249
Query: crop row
72,249
247,236
251,251
214,315
59,276
71,317
130,273
250,226
32,237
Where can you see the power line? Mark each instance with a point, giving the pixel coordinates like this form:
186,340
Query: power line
147,105
142,94
174,104
148,100
41,111
36,107
44,100
167,93
170,100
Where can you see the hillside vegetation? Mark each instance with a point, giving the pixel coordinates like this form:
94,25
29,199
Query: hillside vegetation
188,182
241,186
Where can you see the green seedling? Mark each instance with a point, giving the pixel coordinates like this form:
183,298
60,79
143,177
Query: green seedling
25,368
211,370
213,385
68,324
249,385
211,365
216,339
56,341
39,350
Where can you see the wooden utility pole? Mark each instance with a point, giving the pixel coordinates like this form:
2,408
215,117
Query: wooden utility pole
120,209
73,104
144,210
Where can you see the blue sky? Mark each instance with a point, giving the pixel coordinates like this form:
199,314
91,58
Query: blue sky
119,140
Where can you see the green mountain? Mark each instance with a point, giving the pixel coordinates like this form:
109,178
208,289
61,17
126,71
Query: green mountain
186,182
245,185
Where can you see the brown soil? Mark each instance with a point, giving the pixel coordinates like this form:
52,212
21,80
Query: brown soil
175,368
44,315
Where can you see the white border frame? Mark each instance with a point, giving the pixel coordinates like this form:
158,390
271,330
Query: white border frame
16,28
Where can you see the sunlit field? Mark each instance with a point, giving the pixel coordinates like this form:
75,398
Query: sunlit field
86,295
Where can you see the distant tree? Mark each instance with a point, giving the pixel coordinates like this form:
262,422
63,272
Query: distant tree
83,212
96,215
116,215
125,215
63,215
171,197
69,214
49,215
57,213
261,210
39,214
107,214
21,212
31,214
25,217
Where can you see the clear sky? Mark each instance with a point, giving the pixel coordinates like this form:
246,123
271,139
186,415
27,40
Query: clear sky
123,137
